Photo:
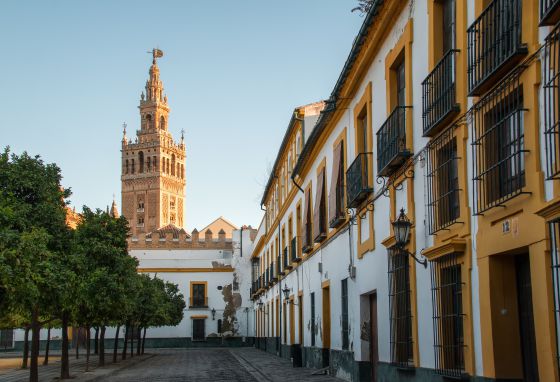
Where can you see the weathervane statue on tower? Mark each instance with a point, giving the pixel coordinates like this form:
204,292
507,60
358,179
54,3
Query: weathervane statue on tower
156,53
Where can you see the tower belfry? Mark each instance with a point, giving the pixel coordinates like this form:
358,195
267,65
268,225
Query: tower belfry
153,165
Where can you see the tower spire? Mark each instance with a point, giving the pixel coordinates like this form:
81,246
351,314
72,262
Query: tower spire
154,86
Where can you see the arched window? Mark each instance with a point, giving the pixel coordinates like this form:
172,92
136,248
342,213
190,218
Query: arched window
126,168
149,121
132,166
141,161
182,171
172,164
178,170
162,122
154,163
148,164
168,166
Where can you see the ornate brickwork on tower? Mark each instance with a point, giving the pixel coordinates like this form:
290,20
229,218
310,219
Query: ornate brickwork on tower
153,165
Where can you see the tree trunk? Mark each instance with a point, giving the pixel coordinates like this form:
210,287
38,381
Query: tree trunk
25,348
132,341
125,342
138,341
35,337
46,360
116,344
96,344
77,343
64,363
143,340
87,347
102,346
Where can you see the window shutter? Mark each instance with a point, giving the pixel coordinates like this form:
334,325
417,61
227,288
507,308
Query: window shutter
304,235
334,207
318,204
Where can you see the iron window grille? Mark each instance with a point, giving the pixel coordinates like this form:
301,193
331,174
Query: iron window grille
550,12
344,315
554,227
442,181
551,87
293,250
448,317
498,146
358,187
438,95
494,44
400,312
391,142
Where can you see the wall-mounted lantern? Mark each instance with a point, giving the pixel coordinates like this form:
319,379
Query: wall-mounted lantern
401,228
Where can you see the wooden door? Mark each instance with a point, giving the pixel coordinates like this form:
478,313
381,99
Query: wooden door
326,318
198,329
373,337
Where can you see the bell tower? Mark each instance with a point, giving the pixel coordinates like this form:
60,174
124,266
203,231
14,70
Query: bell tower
153,165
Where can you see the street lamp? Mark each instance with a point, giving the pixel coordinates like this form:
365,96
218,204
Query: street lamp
401,228
213,311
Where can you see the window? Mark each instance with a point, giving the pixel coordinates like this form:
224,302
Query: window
141,161
443,182
498,146
336,196
299,232
551,97
320,212
126,171
173,164
132,166
554,227
312,299
140,206
400,313
447,25
363,146
307,223
162,122
198,295
344,314
447,303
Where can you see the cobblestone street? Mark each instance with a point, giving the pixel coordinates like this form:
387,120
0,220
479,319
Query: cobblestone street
200,365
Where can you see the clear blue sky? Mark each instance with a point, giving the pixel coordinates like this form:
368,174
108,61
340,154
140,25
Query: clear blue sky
72,72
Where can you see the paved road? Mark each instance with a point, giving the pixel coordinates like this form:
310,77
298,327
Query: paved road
216,365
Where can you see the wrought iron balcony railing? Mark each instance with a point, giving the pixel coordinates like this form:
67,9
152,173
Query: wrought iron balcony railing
438,95
391,142
198,302
494,44
266,277
550,12
287,260
358,186
293,250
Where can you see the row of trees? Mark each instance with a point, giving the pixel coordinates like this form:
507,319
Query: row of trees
55,276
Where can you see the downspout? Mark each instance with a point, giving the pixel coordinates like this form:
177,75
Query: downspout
279,291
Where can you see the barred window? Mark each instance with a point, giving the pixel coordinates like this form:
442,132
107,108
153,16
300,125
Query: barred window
399,309
447,303
443,182
554,227
551,87
344,315
498,146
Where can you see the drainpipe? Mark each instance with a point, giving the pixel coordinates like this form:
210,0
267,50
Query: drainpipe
279,291
241,243
297,185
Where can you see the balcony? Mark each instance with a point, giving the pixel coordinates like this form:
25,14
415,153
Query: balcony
273,276
198,303
293,251
266,278
279,263
550,12
438,95
287,262
391,142
494,43
358,187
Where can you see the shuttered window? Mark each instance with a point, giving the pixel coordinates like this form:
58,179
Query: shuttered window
307,223
319,216
336,196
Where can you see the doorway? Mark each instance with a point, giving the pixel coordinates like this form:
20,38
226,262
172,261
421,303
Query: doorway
373,336
526,319
326,318
198,329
